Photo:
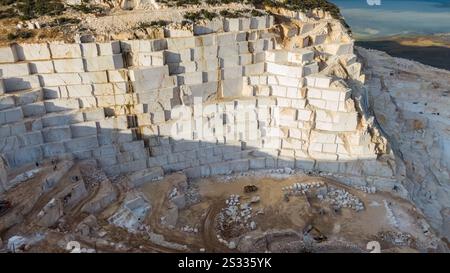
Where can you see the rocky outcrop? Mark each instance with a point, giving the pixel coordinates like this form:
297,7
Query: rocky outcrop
410,103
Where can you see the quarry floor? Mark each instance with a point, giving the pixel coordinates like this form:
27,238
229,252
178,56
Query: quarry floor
282,224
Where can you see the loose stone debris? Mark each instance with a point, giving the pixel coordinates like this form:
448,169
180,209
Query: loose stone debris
235,217
247,131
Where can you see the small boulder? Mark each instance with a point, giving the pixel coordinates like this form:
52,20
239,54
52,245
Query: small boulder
50,213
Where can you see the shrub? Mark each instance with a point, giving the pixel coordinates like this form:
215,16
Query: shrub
66,21
200,15
8,13
182,3
6,2
21,34
231,14
30,9
169,3
86,7
159,23
221,2
213,2
186,23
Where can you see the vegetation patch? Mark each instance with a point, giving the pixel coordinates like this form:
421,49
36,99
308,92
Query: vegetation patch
153,24
232,13
6,2
202,14
222,2
21,34
255,13
8,13
30,9
241,13
86,7
184,3
63,21
301,5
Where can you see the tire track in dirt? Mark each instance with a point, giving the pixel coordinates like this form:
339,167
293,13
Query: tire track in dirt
209,235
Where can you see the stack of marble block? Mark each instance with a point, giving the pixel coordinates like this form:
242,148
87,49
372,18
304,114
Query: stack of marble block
64,100
268,106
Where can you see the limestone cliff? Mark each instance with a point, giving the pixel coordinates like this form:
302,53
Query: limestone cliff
410,103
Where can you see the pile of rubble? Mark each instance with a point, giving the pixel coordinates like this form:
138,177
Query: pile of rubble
276,173
189,229
301,188
235,218
367,189
341,198
396,238
92,175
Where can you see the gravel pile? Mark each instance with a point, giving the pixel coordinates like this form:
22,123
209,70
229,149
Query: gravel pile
234,219
341,198
396,238
366,189
302,188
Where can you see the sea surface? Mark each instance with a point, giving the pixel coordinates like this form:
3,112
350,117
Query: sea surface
395,17
413,29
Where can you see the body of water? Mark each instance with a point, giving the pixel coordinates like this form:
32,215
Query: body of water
395,17
413,29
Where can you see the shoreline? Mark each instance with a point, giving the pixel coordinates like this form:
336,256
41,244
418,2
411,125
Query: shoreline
433,50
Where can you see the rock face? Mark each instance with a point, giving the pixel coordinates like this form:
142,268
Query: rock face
413,115
241,96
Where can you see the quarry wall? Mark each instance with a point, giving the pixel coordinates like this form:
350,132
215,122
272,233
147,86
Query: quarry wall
232,94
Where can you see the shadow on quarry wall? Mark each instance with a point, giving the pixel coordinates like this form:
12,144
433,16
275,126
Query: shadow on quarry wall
120,152
436,56
19,83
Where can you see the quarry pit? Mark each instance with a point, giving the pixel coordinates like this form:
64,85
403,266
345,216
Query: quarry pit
285,211
259,129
